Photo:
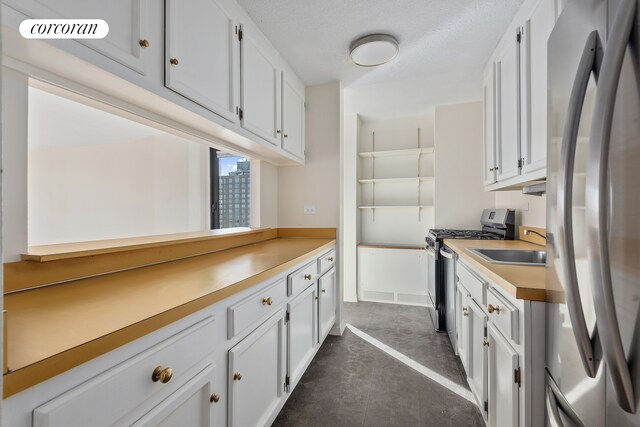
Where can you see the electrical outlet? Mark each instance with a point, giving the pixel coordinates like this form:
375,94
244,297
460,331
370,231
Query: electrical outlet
309,210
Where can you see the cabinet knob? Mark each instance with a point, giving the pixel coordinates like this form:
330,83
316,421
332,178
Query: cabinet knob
267,301
491,309
491,169
330,259
161,374
173,61
237,376
214,398
324,291
307,277
286,136
278,131
143,43
485,343
496,168
316,298
465,311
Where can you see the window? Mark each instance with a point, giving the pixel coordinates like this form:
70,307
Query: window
230,190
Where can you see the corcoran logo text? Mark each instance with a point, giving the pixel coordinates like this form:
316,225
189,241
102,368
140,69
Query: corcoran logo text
64,29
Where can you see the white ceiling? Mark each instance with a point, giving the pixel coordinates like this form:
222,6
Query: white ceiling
444,44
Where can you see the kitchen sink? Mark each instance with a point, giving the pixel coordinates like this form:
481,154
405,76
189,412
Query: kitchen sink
511,256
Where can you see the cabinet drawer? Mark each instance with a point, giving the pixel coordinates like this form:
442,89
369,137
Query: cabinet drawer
503,314
326,261
471,282
302,278
258,306
128,387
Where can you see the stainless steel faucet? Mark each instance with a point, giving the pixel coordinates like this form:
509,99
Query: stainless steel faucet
527,231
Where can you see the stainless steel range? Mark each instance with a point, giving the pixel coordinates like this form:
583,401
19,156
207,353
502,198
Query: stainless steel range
497,224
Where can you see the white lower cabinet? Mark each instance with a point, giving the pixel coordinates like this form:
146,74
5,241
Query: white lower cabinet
303,332
257,374
464,326
477,371
504,377
326,303
192,405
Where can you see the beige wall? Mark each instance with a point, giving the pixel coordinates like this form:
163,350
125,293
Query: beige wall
317,183
460,196
530,210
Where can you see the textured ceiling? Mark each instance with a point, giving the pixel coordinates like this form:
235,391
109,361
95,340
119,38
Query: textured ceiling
444,44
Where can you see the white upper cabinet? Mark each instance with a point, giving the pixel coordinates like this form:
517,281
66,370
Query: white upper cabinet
519,65
536,32
203,66
260,90
292,116
127,19
489,105
508,89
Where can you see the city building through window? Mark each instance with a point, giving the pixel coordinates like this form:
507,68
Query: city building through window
231,205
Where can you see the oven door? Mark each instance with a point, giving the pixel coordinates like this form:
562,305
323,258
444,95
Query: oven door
432,265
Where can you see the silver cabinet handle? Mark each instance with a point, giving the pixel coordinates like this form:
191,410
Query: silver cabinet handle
597,200
446,254
565,246
431,252
555,402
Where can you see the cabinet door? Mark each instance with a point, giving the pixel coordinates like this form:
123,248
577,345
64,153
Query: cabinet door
127,21
327,302
534,85
191,405
508,84
256,374
203,67
489,105
292,118
503,390
303,332
260,94
477,372
464,331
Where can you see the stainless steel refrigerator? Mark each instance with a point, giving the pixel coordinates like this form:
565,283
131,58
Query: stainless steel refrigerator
593,215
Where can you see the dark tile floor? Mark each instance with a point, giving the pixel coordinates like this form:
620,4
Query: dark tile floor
352,383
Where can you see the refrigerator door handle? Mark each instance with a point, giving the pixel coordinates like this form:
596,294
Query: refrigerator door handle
446,253
565,246
597,200
556,402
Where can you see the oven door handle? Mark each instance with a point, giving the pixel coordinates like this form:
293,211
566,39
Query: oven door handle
431,251
445,253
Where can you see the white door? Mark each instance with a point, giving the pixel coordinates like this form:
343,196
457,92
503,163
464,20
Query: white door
127,19
303,332
260,90
191,405
508,125
534,85
503,390
327,302
292,118
489,105
256,374
477,372
203,67
464,322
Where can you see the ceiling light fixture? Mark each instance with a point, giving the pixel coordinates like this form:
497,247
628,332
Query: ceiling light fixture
373,50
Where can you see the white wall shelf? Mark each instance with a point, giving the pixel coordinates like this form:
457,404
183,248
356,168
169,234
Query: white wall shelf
393,180
404,152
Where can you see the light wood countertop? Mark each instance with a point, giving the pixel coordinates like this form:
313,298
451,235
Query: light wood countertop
55,328
521,281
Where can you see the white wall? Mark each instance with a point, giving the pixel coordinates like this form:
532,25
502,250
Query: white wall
530,210
349,209
317,183
460,195
104,191
264,194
